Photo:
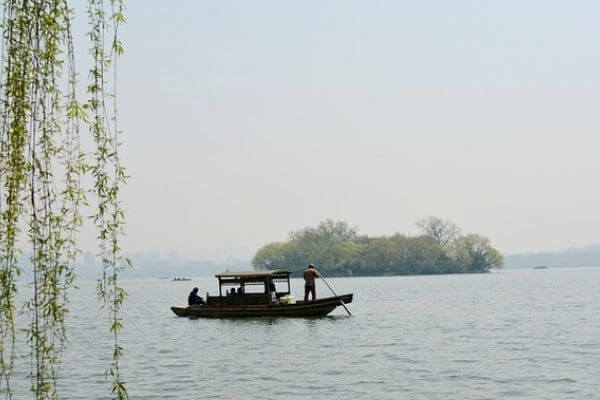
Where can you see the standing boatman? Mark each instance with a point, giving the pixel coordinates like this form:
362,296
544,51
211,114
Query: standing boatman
310,274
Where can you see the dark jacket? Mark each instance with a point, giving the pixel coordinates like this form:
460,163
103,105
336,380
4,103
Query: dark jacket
310,274
193,298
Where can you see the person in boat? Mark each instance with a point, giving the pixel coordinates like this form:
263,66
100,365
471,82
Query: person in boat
193,298
273,290
240,291
310,274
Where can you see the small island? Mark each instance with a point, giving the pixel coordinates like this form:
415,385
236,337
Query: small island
339,250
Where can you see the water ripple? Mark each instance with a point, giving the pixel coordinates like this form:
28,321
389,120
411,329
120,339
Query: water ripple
511,335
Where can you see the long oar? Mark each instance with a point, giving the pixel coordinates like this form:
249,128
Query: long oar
334,293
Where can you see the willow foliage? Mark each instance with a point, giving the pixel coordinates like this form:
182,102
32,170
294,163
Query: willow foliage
41,169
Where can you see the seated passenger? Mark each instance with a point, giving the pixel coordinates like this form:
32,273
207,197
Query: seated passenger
240,291
193,298
273,291
231,292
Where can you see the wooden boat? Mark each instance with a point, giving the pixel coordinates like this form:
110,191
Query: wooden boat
259,297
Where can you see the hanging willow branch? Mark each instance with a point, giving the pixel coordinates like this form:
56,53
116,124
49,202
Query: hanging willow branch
39,140
16,106
108,173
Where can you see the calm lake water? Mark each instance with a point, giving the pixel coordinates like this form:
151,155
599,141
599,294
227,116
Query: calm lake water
522,334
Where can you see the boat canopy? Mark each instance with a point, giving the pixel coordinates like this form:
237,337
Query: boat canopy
252,275
261,278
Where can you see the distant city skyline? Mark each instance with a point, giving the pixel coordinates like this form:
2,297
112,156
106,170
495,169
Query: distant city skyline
153,264
172,256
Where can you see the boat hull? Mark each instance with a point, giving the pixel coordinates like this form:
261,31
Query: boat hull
317,308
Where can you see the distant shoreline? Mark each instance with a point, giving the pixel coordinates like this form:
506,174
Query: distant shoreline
571,257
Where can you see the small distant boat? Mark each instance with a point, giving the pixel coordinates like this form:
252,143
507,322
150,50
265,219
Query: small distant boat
259,298
540,267
181,279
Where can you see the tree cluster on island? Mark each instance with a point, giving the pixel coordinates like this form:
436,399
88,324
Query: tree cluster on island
339,250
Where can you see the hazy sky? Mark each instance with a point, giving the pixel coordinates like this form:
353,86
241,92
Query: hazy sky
246,119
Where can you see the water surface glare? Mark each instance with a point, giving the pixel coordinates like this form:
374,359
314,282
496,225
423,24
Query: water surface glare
523,334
